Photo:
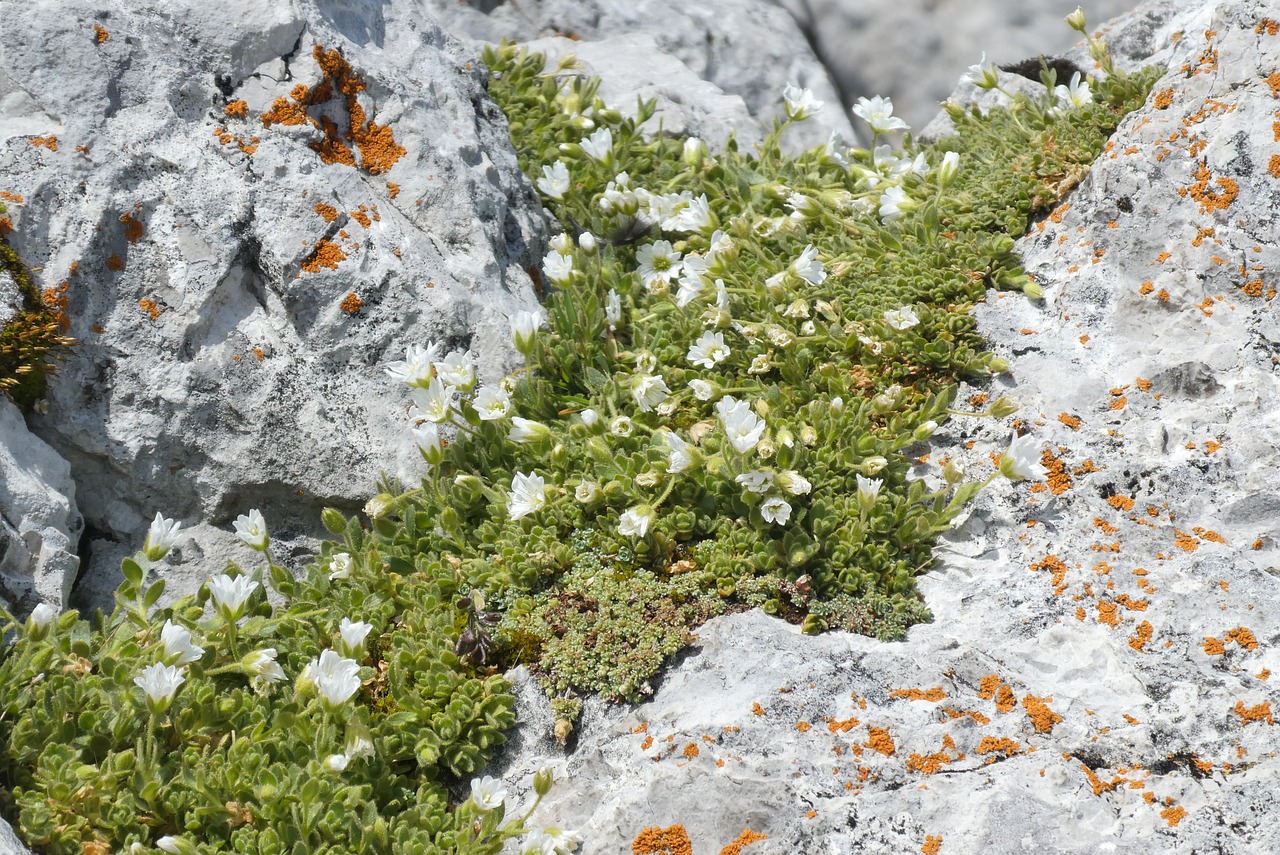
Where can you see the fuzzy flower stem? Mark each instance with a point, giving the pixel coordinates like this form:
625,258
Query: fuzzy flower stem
666,492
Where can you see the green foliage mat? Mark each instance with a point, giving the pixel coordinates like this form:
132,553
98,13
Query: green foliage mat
638,476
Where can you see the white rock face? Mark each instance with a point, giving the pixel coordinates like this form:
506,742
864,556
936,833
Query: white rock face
39,524
9,843
248,238
749,48
1101,672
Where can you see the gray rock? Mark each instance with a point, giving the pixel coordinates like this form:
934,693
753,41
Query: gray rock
1099,673
223,362
39,524
9,842
10,298
749,48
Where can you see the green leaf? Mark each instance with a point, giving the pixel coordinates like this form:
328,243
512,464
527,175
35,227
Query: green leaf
132,573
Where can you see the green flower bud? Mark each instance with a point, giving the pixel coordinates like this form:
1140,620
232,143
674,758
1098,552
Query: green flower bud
953,472
1076,20
542,781
379,505
334,521
1004,406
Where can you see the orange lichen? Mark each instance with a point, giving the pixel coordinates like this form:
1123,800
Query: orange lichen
803,726
1069,420
1141,636
133,228
746,838
1108,614
978,718
236,109
1042,718
1273,81
841,725
1208,533
880,740
360,216
1131,604
1058,568
932,845
50,142
934,695
1098,785
757,709
1118,403
393,190
1120,503
1000,744
114,262
690,751
673,840
15,198
1163,98
1212,200
327,254
1173,815
326,212
1268,26
1058,479
100,34
151,307
1103,526
1214,646
1243,637
351,304
56,300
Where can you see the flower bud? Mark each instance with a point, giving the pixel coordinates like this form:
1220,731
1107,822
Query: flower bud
599,450
925,431
647,479
614,490
948,169
837,404
39,621
542,781
953,472
334,521
587,241
873,465
998,365
468,487
562,243
1076,20
379,505
558,454
1033,291
766,447
176,845
694,152
809,436
587,492
589,417
1003,407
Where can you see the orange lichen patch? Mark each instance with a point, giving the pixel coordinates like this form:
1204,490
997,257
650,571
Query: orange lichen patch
376,144
133,228
1069,420
15,198
1120,503
393,189
259,354
1212,200
642,727
115,263
327,212
1253,288
100,34
1058,479
1243,637
1080,613
1207,533
929,764
1268,26
351,304
1173,815
50,142
1099,786
1274,82
56,299
690,751
1084,339
1058,568
932,845
934,695
1108,614
1141,636
1059,212
1118,403
803,726
1185,541
1264,674
1042,718
746,838
1143,384
978,718
1162,295
810,814
841,725
880,740
1164,256
757,709
998,744
327,254
647,743
151,307
673,840
236,109
1131,604
360,216
1213,646
1104,526
1163,98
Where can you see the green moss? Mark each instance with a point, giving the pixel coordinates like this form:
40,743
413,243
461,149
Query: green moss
31,340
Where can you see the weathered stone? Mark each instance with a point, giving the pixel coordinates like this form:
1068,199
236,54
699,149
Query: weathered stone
1099,673
9,842
39,524
10,298
246,247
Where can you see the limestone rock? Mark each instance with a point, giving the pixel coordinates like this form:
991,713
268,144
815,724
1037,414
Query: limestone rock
256,207
9,843
39,524
1099,675
749,48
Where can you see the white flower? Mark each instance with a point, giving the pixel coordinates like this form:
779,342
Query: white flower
339,566
589,417
427,438
760,364
526,430
492,403
336,762
794,483
252,529
877,112
230,595
336,678
353,636
434,403
558,267
176,845
263,669
161,537
679,456
178,649
949,168
836,150
488,793
894,202
775,510
528,495
586,492
755,481
599,145
691,286
159,683
702,390
901,319
984,74
621,426
613,309
741,425
1075,94
634,522
524,326
416,368
1076,20
359,742
694,216
708,350
562,243
800,103
554,181
868,491
563,841
658,262
808,268
41,616
649,390
538,842
1022,459
458,369
587,241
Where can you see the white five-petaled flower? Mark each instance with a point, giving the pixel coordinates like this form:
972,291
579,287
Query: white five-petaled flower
649,390
434,403
621,426
178,649
599,146
1073,95
263,669
336,678
252,529
528,495
808,267
492,403
702,390
800,103
741,425
554,181
894,202
558,267
708,350
418,365
901,319
634,522
458,369
537,842
524,327
230,595
658,262
160,683
775,510
755,481
339,566
1022,459
586,492
161,537
869,491
352,635
695,216
877,112
526,430
679,456
984,74
488,793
